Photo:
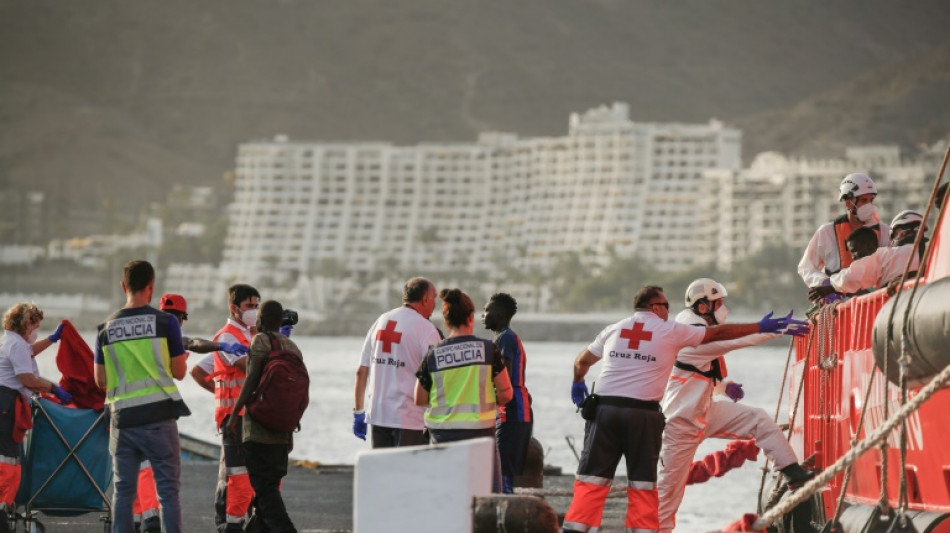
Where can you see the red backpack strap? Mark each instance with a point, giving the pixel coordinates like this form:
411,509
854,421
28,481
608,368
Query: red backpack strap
274,343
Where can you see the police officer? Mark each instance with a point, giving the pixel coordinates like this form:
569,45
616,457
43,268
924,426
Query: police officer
138,353
639,353
462,380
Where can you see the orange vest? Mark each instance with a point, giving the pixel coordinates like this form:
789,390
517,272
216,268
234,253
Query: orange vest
228,379
842,231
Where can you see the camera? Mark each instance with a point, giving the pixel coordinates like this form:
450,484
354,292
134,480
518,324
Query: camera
290,318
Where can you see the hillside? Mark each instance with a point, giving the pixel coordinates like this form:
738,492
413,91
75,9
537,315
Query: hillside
907,103
108,102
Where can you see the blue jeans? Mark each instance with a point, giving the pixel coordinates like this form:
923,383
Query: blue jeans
159,444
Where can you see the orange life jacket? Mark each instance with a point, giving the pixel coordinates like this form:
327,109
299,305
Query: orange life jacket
842,230
228,379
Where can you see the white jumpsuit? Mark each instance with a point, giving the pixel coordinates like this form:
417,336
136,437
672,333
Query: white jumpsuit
692,415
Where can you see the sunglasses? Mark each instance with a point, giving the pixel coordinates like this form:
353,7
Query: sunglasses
664,304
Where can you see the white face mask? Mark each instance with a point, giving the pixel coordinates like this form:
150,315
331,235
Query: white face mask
867,213
31,338
249,318
721,314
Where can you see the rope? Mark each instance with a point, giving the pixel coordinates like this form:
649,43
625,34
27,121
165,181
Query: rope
616,491
847,459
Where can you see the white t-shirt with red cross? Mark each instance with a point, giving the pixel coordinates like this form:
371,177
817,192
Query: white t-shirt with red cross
393,350
639,353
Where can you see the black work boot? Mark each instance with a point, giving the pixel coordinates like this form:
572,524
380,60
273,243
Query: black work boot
796,475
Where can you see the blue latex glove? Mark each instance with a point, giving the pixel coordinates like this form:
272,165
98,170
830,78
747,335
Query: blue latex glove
734,391
235,348
61,395
578,392
774,325
285,330
57,334
359,424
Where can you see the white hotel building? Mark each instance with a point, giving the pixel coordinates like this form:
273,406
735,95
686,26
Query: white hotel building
609,184
782,201
674,195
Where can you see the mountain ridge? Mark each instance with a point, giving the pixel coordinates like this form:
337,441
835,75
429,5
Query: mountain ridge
108,106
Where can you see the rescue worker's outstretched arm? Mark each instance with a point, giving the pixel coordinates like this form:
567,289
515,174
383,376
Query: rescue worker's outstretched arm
503,391
718,348
201,378
768,324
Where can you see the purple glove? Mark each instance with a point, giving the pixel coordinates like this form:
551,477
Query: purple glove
734,391
796,328
359,424
235,348
61,395
774,325
832,298
57,334
578,392
285,330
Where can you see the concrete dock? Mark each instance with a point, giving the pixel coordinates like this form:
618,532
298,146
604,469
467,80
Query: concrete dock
319,500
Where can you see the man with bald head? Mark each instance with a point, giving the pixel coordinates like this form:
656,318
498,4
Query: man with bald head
392,352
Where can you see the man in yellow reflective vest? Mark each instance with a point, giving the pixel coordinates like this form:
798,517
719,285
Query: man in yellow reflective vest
139,354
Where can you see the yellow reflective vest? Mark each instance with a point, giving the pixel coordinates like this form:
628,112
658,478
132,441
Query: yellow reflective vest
139,385
462,394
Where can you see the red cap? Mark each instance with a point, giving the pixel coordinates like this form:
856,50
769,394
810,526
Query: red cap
174,302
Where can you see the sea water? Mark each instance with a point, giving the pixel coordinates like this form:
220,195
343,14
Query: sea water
326,429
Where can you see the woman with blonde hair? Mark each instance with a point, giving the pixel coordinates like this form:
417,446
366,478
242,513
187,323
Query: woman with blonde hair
19,379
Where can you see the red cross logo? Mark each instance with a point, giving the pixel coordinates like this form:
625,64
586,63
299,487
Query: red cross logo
389,336
635,334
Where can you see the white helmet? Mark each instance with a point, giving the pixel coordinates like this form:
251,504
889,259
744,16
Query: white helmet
709,289
906,217
855,185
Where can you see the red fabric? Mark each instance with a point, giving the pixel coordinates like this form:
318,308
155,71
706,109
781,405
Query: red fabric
75,361
23,418
642,509
9,484
587,507
743,524
146,498
718,463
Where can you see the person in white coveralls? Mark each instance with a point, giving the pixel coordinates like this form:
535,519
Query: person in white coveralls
826,253
691,413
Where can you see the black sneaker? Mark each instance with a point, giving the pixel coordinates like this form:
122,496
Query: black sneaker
797,476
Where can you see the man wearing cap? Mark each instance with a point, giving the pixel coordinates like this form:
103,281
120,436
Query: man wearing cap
884,265
826,253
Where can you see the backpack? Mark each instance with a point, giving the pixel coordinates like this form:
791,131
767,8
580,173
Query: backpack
283,392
